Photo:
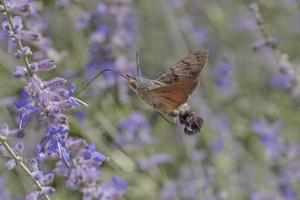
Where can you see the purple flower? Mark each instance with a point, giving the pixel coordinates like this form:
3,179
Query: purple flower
268,42
43,65
5,131
222,126
283,81
169,191
269,137
25,113
224,74
201,35
29,36
54,144
49,99
216,146
85,169
265,196
291,171
83,21
91,153
113,189
5,193
115,26
286,189
63,3
84,173
20,8
135,129
155,160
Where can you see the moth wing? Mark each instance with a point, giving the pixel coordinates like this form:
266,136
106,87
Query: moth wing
171,96
188,68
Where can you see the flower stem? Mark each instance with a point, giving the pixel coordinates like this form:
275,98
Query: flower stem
19,43
19,162
265,35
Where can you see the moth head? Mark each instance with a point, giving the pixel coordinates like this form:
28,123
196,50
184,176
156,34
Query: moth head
133,83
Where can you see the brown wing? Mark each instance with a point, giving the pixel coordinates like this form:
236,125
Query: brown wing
188,68
171,96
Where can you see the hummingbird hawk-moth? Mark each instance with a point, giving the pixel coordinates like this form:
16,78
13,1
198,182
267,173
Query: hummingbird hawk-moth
169,93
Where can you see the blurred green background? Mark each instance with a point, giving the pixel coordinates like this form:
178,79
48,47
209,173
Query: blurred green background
229,159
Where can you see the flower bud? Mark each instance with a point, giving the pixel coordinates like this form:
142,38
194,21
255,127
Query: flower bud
20,72
33,165
19,147
10,164
48,190
46,65
29,36
55,83
17,23
48,178
22,9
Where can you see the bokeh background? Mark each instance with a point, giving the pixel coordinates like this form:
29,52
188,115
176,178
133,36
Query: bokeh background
248,97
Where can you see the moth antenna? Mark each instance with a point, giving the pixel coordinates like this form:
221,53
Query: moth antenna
137,57
166,119
96,76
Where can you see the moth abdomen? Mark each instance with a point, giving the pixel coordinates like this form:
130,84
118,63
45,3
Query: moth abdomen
192,123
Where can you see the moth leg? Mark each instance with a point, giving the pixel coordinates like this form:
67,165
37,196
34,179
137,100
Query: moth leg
174,113
165,118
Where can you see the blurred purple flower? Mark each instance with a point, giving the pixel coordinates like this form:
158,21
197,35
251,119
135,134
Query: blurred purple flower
271,42
265,196
4,192
201,35
269,137
216,146
115,26
169,191
286,189
154,161
182,188
246,23
224,74
11,163
291,3
283,81
189,184
83,21
63,3
135,129
197,156
222,126
7,132
113,189
291,171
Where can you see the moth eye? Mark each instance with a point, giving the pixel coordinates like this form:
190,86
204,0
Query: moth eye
133,85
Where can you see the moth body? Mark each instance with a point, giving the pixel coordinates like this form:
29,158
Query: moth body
169,93
142,88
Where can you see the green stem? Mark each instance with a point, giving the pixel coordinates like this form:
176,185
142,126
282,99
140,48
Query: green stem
25,57
275,50
19,162
263,31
